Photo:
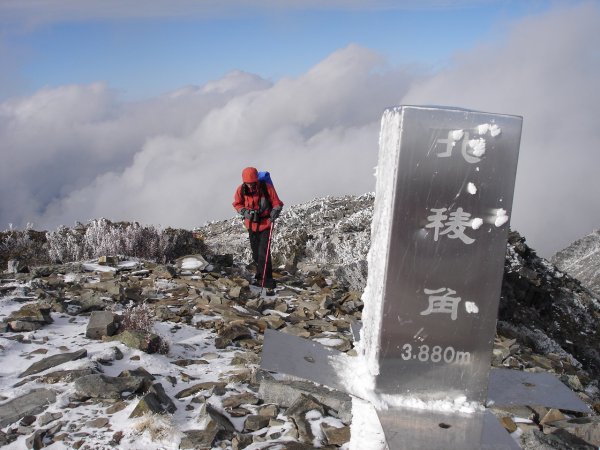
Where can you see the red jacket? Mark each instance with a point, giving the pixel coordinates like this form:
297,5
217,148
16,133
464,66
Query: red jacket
251,201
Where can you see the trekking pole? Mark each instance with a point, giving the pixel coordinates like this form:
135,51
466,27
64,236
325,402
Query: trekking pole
267,257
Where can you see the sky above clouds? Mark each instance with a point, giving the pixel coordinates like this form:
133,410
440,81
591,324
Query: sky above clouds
149,113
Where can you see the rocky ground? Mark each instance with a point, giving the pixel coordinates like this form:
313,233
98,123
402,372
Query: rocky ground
132,354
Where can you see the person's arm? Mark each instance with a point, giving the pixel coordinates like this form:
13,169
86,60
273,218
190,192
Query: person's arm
238,200
275,200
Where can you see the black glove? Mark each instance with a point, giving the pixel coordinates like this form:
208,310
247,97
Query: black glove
247,214
275,214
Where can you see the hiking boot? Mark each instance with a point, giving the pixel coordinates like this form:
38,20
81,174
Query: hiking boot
270,292
257,282
270,283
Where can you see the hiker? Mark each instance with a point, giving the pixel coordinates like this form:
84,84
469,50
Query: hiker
257,202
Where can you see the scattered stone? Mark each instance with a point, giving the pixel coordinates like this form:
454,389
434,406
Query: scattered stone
199,388
36,440
241,441
236,400
508,424
53,361
335,436
558,440
30,317
299,410
553,415
146,342
585,428
155,401
255,422
99,422
119,406
17,266
198,440
269,411
48,417
105,387
32,403
65,376
285,393
235,330
102,323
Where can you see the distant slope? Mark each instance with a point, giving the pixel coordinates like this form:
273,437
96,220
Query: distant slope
541,306
581,260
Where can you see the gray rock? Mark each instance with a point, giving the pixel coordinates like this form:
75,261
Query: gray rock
102,323
285,393
34,402
208,414
236,400
235,331
65,376
335,436
36,440
49,417
53,361
155,401
586,428
99,422
16,266
102,386
255,422
206,386
146,342
559,440
33,312
298,411
111,288
198,440
91,301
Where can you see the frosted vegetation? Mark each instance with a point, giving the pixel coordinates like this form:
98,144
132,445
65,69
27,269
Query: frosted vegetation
97,238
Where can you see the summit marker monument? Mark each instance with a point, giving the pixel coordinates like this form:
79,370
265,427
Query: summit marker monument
445,182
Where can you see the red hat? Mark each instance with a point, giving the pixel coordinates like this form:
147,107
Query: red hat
250,175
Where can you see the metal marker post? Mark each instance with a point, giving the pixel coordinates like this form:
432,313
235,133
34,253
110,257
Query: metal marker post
449,180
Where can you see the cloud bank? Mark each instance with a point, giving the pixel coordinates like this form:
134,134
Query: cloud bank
78,152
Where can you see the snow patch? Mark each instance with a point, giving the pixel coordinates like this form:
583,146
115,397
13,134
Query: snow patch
457,135
477,146
501,217
476,223
471,307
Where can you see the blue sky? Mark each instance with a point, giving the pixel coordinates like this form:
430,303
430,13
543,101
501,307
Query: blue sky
114,108
141,56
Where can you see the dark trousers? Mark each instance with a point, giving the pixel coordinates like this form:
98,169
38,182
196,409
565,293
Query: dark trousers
259,242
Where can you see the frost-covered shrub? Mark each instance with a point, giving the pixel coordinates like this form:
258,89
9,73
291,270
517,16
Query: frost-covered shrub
102,237
26,245
65,244
158,427
138,318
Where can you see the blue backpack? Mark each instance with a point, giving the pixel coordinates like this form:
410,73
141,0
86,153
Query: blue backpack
265,177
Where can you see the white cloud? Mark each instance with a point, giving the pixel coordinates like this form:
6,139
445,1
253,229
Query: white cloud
77,152
176,160
548,72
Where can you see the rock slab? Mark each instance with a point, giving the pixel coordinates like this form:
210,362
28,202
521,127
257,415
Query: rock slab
34,402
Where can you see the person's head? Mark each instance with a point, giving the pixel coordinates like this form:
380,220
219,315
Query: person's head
250,176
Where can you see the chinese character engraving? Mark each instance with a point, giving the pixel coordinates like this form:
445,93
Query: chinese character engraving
471,149
455,224
443,304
